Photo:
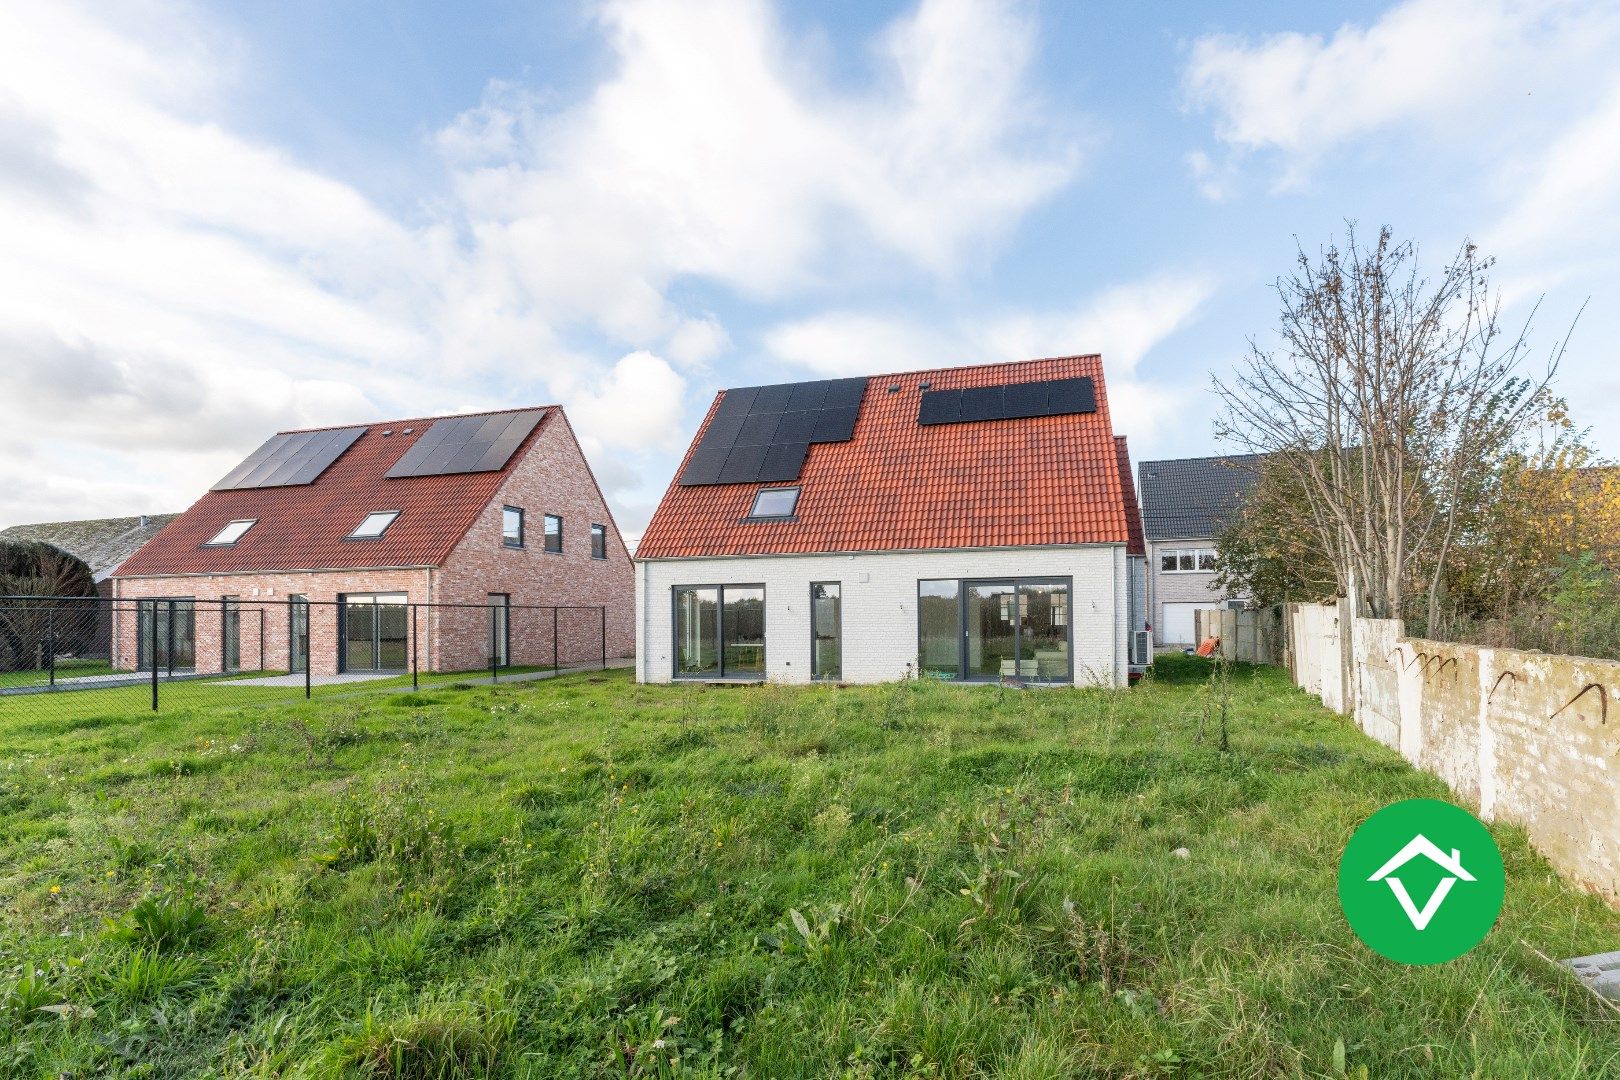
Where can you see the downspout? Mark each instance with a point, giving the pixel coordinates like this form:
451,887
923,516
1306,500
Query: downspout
1113,588
644,630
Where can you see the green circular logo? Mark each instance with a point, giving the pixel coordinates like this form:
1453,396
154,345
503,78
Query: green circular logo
1421,882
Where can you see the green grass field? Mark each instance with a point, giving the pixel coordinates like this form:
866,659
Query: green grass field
65,669
586,877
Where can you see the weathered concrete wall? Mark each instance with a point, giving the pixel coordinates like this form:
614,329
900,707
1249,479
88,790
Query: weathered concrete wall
1318,645
1524,736
1252,635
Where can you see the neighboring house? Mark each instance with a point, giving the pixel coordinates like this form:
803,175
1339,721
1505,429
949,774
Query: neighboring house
1186,503
101,543
494,510
971,523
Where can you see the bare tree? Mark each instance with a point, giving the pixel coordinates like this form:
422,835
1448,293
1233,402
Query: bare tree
1387,399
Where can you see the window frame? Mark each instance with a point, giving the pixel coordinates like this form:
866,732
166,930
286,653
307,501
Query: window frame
545,534
599,541
792,510
522,527
719,631
963,586
247,525
1196,555
392,515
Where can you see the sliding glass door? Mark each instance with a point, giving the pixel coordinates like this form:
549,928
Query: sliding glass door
375,632
168,634
719,631
1015,629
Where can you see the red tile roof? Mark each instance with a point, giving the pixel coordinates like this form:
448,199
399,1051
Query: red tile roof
304,528
1137,544
900,486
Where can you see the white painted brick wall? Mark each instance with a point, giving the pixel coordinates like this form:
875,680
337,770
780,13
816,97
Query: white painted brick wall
880,605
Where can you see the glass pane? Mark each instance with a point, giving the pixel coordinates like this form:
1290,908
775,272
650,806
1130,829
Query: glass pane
1185,561
990,617
553,533
697,632
598,542
939,630
297,632
743,625
182,642
360,634
499,610
1167,561
512,526
233,634
775,502
393,635
1043,638
1206,560
827,657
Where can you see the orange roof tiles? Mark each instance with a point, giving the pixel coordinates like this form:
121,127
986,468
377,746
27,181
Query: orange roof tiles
305,527
900,486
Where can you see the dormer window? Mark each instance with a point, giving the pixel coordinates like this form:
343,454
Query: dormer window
775,503
231,533
375,524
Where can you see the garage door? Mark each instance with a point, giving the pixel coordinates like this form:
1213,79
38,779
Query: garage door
1176,628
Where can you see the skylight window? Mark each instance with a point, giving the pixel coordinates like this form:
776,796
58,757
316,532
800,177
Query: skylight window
775,503
231,533
374,525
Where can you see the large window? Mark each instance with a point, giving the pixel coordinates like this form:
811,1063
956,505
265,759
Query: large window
375,632
554,534
719,631
1015,628
167,633
1186,560
826,630
598,541
512,526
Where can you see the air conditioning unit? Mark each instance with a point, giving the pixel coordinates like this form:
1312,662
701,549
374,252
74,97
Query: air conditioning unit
1141,648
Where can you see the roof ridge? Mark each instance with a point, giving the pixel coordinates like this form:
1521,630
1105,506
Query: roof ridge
419,419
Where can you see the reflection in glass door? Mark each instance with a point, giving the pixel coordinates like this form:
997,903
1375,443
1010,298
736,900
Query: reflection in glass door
168,635
697,632
231,633
720,631
826,630
375,632
742,632
991,644
1017,630
500,628
297,632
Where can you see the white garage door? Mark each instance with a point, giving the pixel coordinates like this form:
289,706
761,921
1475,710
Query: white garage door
1177,626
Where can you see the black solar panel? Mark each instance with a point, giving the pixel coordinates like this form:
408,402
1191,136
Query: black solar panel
762,434
291,460
466,444
1012,401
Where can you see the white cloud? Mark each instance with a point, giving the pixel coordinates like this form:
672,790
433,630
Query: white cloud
1124,324
174,288
1455,70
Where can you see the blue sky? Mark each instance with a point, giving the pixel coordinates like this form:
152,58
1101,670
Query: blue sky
227,219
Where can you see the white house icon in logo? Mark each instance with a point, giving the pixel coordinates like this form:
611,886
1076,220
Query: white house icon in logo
1421,845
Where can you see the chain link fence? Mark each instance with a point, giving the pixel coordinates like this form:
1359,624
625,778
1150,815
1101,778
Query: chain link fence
80,657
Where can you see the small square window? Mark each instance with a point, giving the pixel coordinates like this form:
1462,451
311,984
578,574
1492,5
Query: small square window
1206,559
1167,561
231,533
375,524
1185,561
512,526
554,534
775,503
598,541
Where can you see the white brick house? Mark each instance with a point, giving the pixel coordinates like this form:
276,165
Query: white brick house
975,523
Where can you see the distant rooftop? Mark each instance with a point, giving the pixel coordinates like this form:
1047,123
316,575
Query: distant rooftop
103,543
1193,498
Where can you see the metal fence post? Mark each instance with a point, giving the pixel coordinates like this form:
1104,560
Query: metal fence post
414,685
50,641
309,632
603,610
553,640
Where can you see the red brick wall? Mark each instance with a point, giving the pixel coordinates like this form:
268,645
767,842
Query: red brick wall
552,478
274,590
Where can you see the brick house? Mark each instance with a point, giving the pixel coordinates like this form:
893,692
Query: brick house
971,523
489,510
